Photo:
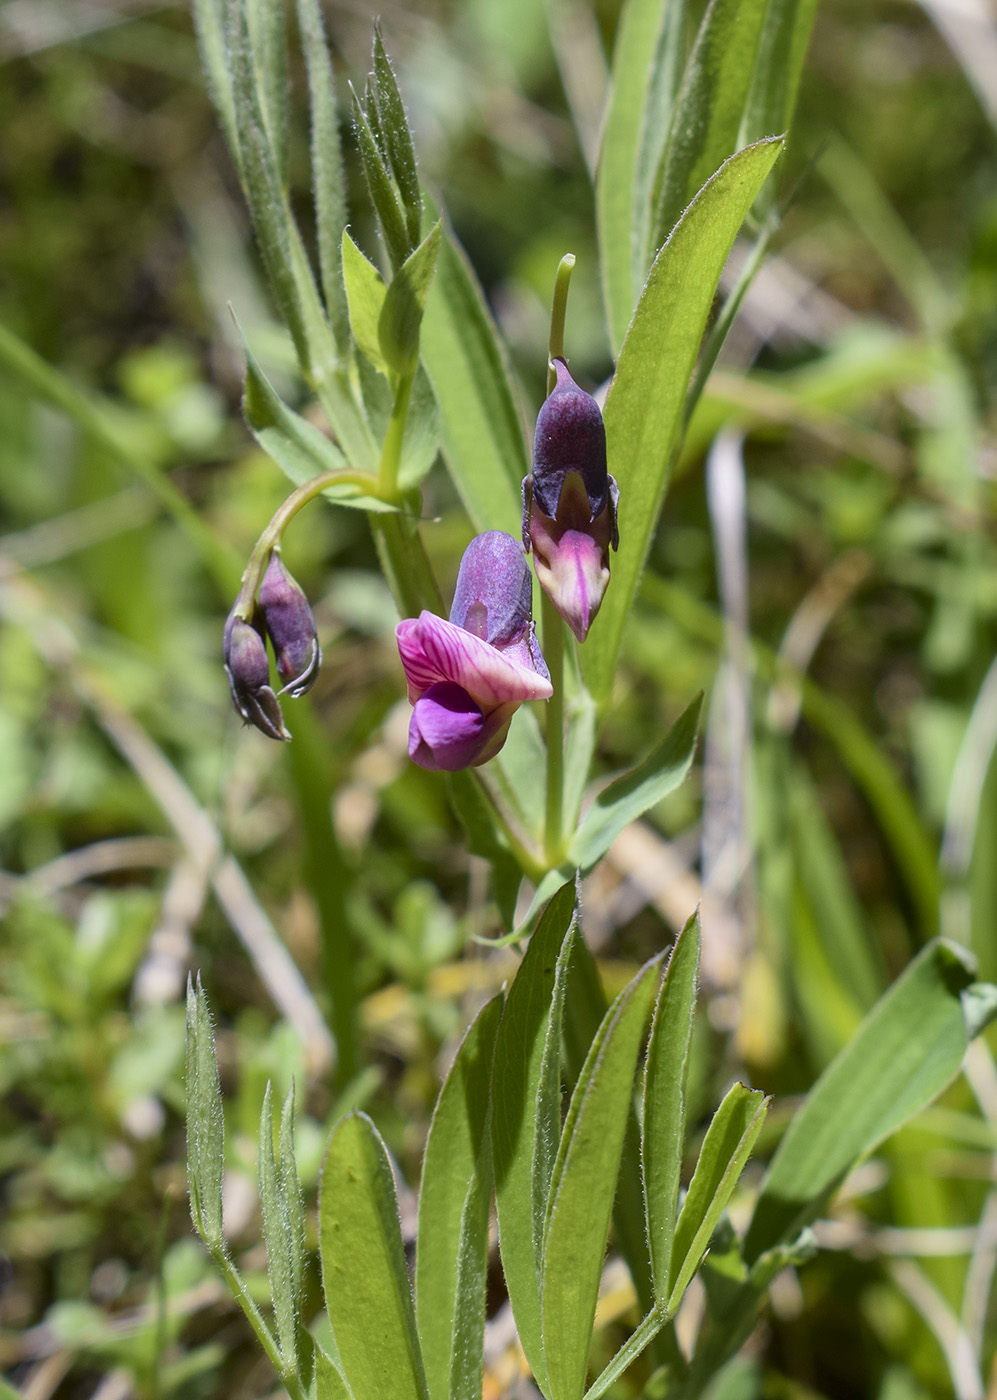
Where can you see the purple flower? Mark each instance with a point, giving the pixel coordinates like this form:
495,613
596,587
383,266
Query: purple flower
248,674
467,677
569,503
290,626
281,612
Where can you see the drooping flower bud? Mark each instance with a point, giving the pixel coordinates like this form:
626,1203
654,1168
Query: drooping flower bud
467,677
569,503
248,674
290,626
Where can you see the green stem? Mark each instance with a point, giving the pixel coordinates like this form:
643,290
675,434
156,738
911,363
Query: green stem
558,309
391,451
553,635
288,1376
280,520
406,565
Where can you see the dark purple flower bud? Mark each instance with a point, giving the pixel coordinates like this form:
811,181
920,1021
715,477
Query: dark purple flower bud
467,677
290,625
494,593
248,674
569,503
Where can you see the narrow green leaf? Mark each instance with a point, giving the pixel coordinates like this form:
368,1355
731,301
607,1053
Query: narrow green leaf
518,1059
293,1199
584,1184
205,1120
7,1391
627,1354
645,403
726,1147
547,1108
908,1048
646,55
452,1247
585,1006
383,194
327,165
482,436
782,47
283,1252
329,1383
297,446
710,104
269,50
405,302
365,292
663,1119
363,1267
284,257
630,796
397,138
209,26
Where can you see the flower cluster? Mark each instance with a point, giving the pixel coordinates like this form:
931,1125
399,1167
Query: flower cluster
280,612
467,677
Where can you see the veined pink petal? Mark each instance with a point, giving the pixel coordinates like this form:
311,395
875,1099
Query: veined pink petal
434,650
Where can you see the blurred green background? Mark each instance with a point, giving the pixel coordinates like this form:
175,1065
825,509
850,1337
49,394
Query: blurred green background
826,568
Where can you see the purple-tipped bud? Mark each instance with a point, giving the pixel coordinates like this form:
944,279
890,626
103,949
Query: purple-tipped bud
290,625
248,674
467,677
569,503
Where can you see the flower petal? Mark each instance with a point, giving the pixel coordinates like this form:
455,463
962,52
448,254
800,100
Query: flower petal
446,729
434,650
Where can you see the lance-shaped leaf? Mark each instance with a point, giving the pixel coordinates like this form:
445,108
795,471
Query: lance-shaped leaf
644,408
327,165
364,1274
907,1049
647,57
395,138
710,104
624,800
480,429
454,1196
283,1228
726,1147
584,1184
365,293
663,1120
523,1035
205,1120
296,445
269,45
405,302
381,187
329,1382
782,47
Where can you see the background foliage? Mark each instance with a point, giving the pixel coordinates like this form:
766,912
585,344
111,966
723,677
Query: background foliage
827,572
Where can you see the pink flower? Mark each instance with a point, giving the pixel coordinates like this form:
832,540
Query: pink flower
467,677
569,503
